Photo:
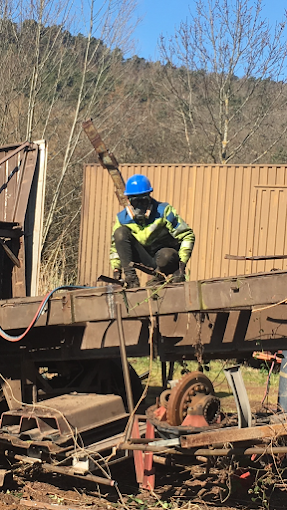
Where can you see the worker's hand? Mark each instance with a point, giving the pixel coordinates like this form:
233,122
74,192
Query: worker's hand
179,275
117,274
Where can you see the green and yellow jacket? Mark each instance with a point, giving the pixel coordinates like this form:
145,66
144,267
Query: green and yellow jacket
164,228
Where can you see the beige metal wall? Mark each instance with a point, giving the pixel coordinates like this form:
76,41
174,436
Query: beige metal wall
238,210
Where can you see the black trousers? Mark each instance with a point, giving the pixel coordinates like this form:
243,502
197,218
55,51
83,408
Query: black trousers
166,260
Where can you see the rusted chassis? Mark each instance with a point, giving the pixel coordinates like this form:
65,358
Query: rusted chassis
228,316
211,318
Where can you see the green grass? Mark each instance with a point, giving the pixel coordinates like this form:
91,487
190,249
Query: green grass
254,379
215,372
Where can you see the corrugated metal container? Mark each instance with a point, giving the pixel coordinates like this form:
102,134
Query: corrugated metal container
238,210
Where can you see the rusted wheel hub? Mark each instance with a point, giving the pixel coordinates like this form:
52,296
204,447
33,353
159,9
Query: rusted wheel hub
194,395
164,397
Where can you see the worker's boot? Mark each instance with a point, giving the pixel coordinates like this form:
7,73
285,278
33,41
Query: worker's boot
131,278
179,275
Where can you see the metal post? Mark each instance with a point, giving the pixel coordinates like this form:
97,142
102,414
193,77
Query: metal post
235,381
124,360
163,374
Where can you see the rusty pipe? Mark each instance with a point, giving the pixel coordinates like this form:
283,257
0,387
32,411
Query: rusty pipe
206,452
124,360
227,452
68,471
148,448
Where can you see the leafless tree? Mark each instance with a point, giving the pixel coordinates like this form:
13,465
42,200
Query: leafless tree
51,80
95,94
224,77
31,49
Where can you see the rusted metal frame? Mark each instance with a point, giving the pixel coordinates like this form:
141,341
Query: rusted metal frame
10,253
10,234
209,295
124,360
23,416
18,274
108,279
88,306
12,389
88,414
255,257
241,327
8,441
225,351
229,452
107,160
113,440
207,452
149,471
67,470
147,448
92,304
233,435
25,182
15,232
15,151
8,203
243,291
25,185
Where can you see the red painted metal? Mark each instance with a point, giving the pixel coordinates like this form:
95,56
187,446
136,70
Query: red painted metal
145,473
196,420
267,356
149,470
138,455
160,413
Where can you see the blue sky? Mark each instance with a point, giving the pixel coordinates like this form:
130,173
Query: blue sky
158,17
162,16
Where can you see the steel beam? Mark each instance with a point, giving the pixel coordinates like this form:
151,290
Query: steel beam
233,435
96,304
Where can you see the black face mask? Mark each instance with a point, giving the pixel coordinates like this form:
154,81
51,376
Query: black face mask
140,205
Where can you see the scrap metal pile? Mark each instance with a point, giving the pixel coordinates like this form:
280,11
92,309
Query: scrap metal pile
81,435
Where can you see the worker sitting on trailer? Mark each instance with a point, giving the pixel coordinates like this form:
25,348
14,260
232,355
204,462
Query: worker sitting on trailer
150,233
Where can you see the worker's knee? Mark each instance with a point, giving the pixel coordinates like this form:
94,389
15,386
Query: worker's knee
122,234
167,260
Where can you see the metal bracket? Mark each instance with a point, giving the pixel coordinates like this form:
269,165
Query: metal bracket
235,381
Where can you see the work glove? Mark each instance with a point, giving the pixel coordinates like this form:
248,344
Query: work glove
117,274
179,275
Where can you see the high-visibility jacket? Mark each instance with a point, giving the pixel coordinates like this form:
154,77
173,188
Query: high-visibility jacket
164,228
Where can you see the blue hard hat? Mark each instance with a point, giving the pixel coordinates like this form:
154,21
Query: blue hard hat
138,185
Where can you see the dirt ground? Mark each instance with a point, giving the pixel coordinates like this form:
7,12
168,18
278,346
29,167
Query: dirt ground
176,487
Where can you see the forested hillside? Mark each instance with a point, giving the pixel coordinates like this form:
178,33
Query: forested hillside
218,95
